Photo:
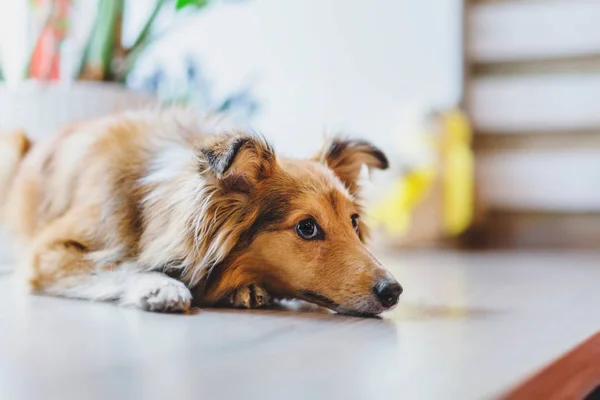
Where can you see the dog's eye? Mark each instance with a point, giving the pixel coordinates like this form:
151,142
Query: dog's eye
355,222
309,229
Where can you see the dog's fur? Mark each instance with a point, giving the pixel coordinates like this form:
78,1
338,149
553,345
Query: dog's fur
143,207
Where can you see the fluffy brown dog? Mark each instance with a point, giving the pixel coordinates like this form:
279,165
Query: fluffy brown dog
141,208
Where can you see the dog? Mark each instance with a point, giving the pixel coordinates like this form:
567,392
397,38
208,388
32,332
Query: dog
152,209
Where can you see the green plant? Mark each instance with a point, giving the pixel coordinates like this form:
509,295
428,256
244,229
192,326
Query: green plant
105,57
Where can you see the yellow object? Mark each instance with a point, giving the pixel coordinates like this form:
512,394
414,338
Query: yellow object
451,167
394,212
457,172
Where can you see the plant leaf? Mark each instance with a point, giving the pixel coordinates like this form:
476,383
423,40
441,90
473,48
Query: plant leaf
198,4
100,48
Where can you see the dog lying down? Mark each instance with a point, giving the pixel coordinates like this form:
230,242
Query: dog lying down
150,209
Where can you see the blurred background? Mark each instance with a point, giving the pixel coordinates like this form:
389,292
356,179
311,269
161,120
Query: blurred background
488,110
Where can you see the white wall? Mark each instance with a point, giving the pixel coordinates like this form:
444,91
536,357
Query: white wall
14,38
325,65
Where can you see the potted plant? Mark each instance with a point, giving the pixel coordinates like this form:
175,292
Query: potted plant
76,72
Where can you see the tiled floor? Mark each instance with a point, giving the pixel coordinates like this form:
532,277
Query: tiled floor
469,326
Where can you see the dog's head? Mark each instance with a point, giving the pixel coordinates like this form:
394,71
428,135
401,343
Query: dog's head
300,228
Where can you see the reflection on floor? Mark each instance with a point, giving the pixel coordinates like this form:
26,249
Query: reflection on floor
469,326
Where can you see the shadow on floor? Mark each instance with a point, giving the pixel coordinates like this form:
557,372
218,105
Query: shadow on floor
417,312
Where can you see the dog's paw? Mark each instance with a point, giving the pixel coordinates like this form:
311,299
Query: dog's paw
252,296
172,297
160,294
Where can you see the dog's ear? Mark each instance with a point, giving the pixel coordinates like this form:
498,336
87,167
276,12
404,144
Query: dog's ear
346,158
237,160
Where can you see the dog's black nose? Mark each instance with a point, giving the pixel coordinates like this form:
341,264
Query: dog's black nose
388,293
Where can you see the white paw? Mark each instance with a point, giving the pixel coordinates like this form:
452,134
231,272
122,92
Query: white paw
252,296
171,297
157,292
